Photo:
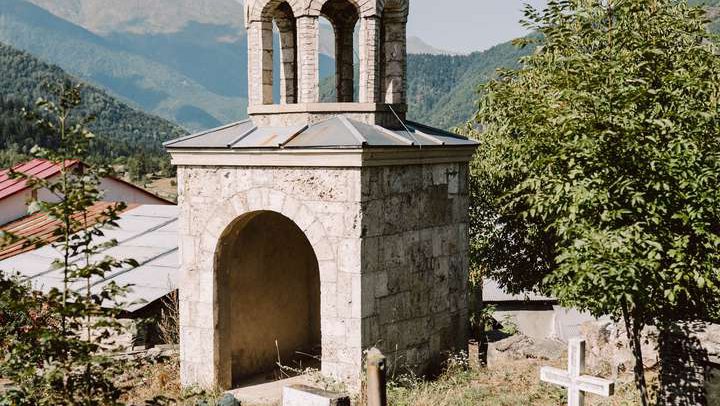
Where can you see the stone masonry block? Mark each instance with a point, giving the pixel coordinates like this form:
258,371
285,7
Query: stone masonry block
300,395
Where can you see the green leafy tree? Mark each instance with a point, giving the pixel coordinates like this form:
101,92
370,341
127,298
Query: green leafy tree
598,177
58,347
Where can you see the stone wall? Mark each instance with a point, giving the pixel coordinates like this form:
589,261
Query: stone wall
691,358
391,245
415,262
382,49
323,203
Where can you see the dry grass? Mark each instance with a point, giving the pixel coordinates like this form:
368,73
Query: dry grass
162,379
163,187
507,383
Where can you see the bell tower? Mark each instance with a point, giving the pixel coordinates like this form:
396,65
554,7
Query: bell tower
322,228
380,96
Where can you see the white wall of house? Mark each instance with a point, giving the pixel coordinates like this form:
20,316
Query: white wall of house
116,191
16,206
13,207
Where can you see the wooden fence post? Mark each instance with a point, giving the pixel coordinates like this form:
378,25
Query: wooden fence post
376,378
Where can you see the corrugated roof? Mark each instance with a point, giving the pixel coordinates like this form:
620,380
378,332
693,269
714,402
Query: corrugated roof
336,132
147,234
39,168
40,229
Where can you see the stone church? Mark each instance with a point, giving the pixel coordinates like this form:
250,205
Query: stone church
322,228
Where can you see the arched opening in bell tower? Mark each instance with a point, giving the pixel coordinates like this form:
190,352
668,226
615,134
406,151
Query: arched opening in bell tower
343,16
279,42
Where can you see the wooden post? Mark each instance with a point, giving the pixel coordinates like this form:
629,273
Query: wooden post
376,379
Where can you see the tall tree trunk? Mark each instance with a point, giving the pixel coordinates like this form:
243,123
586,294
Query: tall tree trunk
634,327
683,363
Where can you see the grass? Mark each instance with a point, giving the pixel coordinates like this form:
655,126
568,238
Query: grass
162,379
507,383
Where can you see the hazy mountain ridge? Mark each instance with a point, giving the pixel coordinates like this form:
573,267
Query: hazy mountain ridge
122,130
154,85
194,72
146,17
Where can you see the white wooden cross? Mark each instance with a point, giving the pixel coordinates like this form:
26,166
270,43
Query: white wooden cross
572,379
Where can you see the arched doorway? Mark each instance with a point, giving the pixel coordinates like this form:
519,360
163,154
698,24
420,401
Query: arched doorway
268,295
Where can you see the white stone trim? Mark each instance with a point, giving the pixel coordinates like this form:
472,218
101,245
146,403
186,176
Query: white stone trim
322,158
337,108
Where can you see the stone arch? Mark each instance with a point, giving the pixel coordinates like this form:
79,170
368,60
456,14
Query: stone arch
267,287
226,216
268,199
364,8
343,15
263,14
256,10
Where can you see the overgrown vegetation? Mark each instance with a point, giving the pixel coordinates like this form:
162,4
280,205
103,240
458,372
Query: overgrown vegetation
59,347
125,136
505,383
599,178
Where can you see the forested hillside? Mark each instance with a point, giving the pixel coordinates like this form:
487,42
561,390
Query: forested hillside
442,89
148,78
122,131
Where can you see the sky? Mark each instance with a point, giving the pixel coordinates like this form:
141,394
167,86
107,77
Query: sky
467,25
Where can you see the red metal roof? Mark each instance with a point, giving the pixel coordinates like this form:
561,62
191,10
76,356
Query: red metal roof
40,168
44,169
40,229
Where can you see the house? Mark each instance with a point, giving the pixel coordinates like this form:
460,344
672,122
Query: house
15,193
533,315
146,233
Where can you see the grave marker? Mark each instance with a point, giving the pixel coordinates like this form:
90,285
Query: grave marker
572,379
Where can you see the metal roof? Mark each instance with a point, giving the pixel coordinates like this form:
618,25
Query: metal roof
335,132
44,169
40,228
147,234
39,168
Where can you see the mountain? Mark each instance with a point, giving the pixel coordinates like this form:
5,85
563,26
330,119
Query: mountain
415,45
145,17
122,131
147,78
443,89
185,60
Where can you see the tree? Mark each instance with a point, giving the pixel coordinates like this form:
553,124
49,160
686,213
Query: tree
58,347
598,177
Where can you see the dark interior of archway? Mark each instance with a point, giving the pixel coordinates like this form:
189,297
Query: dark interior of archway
270,283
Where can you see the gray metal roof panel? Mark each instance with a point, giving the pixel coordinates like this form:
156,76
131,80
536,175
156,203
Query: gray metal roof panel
378,136
329,133
219,137
147,234
267,137
335,132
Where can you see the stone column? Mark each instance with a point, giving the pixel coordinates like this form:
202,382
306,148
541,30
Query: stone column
288,66
395,61
369,60
345,70
260,62
308,38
